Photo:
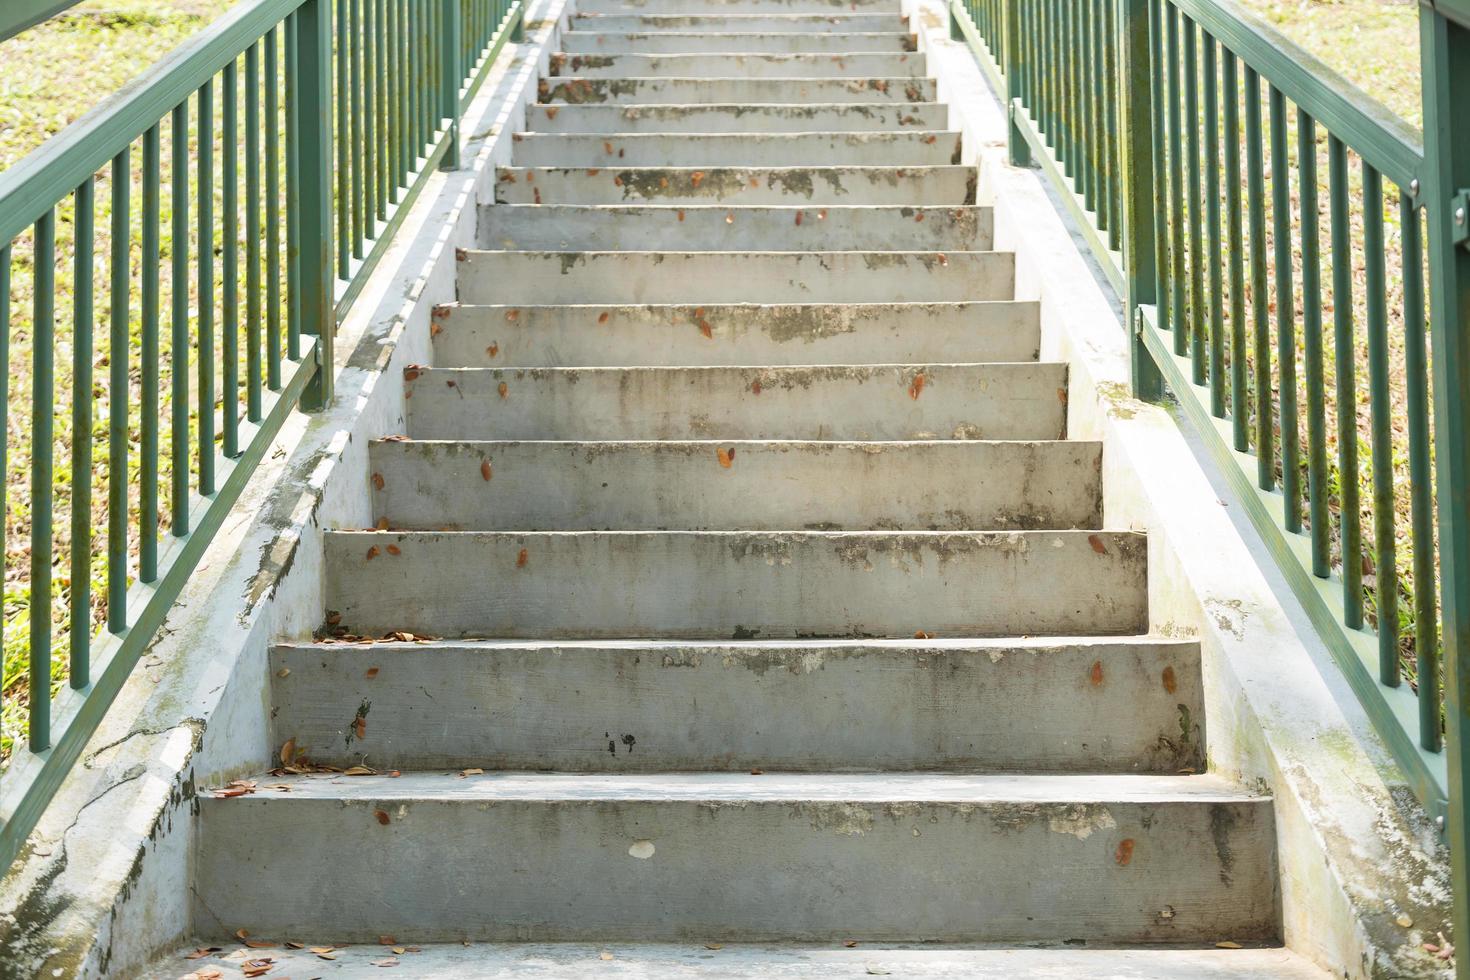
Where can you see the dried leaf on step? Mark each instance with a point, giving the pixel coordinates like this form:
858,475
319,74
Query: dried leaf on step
485,470
359,770
288,751
725,456
471,772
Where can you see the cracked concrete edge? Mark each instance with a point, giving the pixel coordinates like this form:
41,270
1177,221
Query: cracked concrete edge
1355,854
103,884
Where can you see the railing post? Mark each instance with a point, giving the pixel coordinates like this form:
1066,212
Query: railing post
449,83
1018,151
1445,60
956,33
518,32
314,149
1136,122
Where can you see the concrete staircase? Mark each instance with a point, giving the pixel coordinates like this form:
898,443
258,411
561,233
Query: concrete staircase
736,537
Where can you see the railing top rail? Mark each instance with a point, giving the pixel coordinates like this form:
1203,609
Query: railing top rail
50,172
20,14
1455,10
1381,137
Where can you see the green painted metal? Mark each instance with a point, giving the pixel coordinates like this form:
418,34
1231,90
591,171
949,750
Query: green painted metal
1311,249
281,295
1181,71
1445,54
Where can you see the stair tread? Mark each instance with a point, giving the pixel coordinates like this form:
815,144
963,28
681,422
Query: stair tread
741,961
775,787
738,647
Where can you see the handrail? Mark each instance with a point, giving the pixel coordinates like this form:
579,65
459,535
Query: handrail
1133,111
56,167
277,152
21,14
1390,144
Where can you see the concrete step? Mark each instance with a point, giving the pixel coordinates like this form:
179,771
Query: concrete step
858,402
754,485
1035,705
860,65
693,961
845,22
691,42
911,148
713,857
786,186
766,91
697,228
733,277
835,117
737,584
671,336
738,6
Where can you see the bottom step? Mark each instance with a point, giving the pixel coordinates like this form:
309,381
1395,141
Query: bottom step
740,857
625,961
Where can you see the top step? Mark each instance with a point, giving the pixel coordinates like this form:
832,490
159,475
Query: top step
677,42
737,6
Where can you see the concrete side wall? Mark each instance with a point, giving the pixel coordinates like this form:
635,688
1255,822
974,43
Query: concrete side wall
1357,860
105,881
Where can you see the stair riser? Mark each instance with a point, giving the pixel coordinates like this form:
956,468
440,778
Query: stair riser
915,148
998,401
846,22
855,117
740,65
807,707
616,7
719,586
670,336
660,228
800,187
673,42
733,277
728,91
763,870
559,486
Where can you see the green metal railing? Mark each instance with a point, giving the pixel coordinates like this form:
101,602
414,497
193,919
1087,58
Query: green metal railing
347,107
1190,143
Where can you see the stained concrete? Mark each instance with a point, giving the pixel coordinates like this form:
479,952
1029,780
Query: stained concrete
770,91
750,485
954,401
910,148
800,186
815,705
733,277
670,335
628,65
649,42
738,584
740,857
846,22
833,117
708,228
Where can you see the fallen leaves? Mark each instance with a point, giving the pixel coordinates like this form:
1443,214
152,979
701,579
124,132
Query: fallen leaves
1097,544
377,481
1124,852
382,817
504,390
725,456
474,771
696,178
1097,673
1171,683
485,471
916,387
522,558
234,788
372,553
371,673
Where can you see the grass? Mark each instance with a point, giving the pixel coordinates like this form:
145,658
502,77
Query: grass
55,73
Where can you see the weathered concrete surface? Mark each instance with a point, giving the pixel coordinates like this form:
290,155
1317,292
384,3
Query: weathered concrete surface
759,486
1356,861
809,65
734,6
910,148
636,961
771,91
733,277
845,22
739,334
1008,704
956,401
708,228
651,42
800,186
742,585
732,857
104,883
832,117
